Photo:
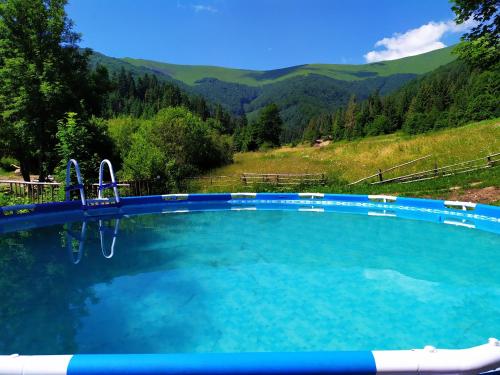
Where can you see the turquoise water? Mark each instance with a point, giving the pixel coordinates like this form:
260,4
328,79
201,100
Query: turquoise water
240,281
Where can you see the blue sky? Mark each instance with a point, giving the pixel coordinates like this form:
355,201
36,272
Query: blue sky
264,34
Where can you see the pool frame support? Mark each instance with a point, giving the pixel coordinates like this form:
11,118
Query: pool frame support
427,361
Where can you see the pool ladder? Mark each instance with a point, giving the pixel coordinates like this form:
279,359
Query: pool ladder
100,200
78,186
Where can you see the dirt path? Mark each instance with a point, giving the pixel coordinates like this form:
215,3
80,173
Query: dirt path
486,195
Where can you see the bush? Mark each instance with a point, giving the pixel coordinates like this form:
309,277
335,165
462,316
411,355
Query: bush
173,145
266,146
85,140
10,200
7,162
380,125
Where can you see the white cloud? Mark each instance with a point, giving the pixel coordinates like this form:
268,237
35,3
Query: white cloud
204,8
415,41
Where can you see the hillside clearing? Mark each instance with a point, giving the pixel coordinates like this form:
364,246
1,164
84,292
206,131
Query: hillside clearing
353,160
345,162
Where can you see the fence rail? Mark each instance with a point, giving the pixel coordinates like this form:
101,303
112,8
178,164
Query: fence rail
250,179
42,192
283,179
36,192
488,161
380,172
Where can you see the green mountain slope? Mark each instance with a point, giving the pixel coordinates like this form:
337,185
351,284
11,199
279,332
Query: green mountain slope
191,74
301,91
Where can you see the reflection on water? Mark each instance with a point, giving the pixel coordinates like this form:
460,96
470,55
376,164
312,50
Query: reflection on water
246,281
105,230
76,234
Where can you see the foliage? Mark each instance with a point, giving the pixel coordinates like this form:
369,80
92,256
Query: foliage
481,53
318,127
144,95
264,132
43,75
7,163
121,130
484,13
10,200
84,140
173,145
481,48
269,126
304,97
452,95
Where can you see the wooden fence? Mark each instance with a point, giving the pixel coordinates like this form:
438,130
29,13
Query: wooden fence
252,179
42,192
488,161
35,192
283,179
213,181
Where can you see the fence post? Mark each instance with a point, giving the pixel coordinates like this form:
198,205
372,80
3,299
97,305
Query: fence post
488,161
380,175
435,168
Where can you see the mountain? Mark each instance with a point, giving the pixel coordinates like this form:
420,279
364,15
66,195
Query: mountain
300,91
192,74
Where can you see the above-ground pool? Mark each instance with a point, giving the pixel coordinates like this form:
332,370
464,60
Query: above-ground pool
248,273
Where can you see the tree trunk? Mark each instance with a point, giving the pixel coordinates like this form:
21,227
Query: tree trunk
41,166
41,176
25,170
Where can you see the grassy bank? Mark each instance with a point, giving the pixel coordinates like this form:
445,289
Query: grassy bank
345,162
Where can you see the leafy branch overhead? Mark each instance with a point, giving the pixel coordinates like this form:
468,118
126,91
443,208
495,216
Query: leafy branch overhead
482,43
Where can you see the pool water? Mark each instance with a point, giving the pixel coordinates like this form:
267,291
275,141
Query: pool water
247,281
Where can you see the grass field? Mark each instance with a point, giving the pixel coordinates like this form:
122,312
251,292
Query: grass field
345,162
189,74
4,173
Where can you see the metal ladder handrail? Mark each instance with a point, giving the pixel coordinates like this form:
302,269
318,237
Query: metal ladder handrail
78,186
113,185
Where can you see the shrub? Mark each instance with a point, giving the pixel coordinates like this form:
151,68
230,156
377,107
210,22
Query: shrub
7,162
173,145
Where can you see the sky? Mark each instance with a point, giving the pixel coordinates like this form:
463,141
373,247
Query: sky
264,34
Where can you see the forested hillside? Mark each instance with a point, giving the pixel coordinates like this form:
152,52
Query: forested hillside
300,92
452,95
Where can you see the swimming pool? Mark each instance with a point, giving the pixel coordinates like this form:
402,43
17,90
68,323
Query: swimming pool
248,273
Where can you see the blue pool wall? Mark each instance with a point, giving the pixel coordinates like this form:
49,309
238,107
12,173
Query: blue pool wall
482,217
472,361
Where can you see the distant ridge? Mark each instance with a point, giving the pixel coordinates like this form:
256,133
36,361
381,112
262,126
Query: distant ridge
300,91
190,74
